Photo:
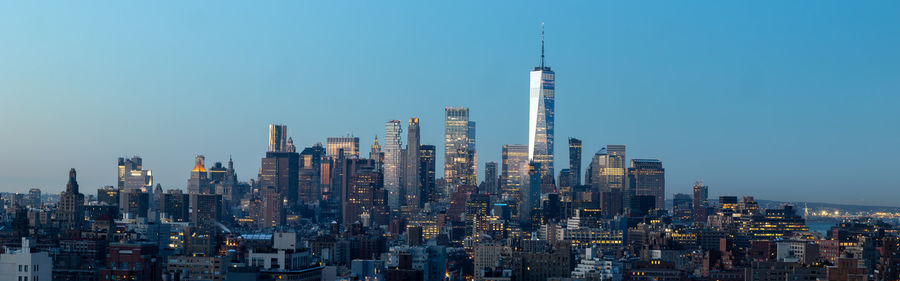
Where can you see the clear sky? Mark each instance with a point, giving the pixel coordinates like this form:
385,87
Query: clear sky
786,100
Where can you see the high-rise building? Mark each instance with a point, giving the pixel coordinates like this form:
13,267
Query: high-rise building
108,195
392,161
376,154
646,177
34,198
199,181
281,171
540,119
575,161
427,173
70,212
206,210
277,138
310,172
515,167
365,200
682,207
608,177
267,208
491,179
349,145
413,188
459,149
175,206
531,193
132,176
701,202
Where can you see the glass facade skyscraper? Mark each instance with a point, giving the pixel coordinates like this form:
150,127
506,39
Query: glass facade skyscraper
459,148
515,166
540,119
349,145
277,138
392,161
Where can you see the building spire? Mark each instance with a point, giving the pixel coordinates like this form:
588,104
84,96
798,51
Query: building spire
542,45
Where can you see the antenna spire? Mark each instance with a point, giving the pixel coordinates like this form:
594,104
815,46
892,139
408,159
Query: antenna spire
542,45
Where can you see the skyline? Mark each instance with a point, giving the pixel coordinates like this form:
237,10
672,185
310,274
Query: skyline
713,96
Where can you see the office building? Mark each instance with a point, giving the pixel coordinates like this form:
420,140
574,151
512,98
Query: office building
541,115
175,206
413,186
199,181
132,176
515,167
575,161
392,162
646,177
277,138
491,179
348,145
608,177
459,149
427,173
281,170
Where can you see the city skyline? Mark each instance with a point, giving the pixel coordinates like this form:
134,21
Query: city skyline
733,154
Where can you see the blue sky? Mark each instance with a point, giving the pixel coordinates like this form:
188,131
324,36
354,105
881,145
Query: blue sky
788,100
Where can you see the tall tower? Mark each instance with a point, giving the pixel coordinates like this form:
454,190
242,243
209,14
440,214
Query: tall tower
71,205
199,181
575,160
646,177
540,118
392,160
514,169
413,187
277,138
459,148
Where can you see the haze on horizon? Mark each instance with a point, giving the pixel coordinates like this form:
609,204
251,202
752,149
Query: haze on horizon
777,100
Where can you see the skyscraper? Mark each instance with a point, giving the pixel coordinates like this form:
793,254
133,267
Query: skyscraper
349,145
413,186
646,177
392,161
277,138
281,170
427,173
376,154
491,180
70,213
575,161
701,202
132,176
540,118
459,148
608,178
515,167
199,181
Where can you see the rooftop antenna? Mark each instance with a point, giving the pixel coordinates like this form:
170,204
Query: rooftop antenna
542,45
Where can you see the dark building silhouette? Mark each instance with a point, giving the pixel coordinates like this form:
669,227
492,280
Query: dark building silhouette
575,161
70,212
427,173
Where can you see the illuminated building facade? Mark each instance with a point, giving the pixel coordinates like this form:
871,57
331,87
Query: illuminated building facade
459,149
515,167
540,119
199,181
277,138
647,177
349,145
392,162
